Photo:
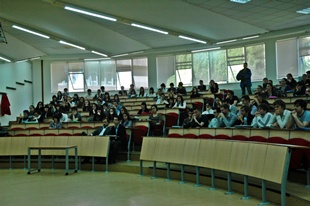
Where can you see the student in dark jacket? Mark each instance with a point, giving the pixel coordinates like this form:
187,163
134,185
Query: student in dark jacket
120,140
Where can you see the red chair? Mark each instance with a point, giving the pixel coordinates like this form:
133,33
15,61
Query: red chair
190,136
175,135
277,140
299,156
138,132
239,138
197,105
221,136
257,139
205,136
171,119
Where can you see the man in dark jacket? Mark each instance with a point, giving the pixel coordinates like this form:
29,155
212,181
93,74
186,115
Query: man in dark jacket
244,76
105,130
120,140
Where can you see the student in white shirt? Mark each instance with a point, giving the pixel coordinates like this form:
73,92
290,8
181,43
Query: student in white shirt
281,116
180,103
262,116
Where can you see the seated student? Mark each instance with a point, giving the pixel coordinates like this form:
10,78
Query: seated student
122,92
188,121
54,100
132,91
40,107
55,124
144,109
75,116
25,117
300,89
270,91
201,87
233,99
180,103
265,81
98,95
171,103
162,100
232,108
59,97
99,115
106,98
75,100
151,93
163,87
126,122
195,93
47,112
87,106
227,119
120,140
198,119
155,122
281,115
246,101
181,90
62,117
103,130
215,123
123,110
31,111
111,115
172,88
245,117
88,95
66,104
262,116
291,81
283,88
208,109
300,117
259,89
37,117
213,87
259,99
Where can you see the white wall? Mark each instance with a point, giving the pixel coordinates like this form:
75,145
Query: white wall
20,98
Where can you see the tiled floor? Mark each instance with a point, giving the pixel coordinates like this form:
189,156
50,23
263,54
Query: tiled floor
88,188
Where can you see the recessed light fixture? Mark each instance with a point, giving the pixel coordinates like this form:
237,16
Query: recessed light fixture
149,28
73,45
20,61
192,39
7,60
31,32
99,53
240,1
209,49
250,37
137,52
35,58
228,41
89,13
304,11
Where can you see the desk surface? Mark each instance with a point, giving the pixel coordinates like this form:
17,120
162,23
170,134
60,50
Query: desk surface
52,147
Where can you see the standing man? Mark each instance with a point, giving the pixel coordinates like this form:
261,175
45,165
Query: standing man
244,76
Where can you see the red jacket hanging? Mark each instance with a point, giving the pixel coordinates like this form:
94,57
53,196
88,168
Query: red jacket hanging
5,105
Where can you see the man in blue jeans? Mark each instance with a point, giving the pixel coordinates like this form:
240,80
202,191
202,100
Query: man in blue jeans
244,76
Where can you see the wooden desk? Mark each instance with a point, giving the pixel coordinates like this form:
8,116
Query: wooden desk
40,148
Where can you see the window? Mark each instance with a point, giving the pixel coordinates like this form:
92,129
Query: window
201,67
218,66
255,57
286,51
304,55
80,76
165,70
183,69
235,60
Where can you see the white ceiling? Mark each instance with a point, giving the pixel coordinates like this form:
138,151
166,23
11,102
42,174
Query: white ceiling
208,20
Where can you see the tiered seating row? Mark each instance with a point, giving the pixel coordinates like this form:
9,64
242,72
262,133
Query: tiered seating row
91,146
248,159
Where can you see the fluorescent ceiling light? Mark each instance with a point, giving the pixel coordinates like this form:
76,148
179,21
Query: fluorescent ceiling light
120,55
89,13
73,45
250,37
35,58
149,28
304,11
31,32
99,53
137,52
209,49
5,59
228,41
96,59
240,1
192,39
20,61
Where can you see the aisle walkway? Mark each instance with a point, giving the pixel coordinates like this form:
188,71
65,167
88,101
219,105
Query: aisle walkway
50,188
